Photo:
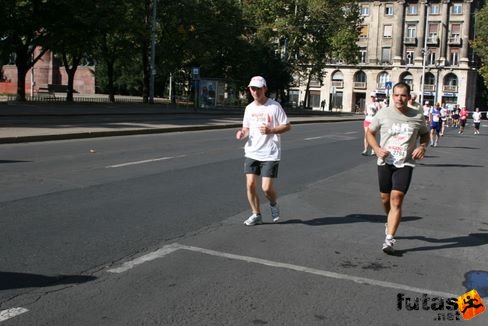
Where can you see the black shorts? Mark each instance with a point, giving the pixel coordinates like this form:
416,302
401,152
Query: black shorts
267,169
463,123
392,178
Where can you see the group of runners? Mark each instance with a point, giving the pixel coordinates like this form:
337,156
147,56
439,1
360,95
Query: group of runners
403,139
442,116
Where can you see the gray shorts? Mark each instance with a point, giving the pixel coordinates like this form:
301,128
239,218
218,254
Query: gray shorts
267,169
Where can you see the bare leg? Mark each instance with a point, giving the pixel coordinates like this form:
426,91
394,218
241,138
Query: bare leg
268,189
395,212
252,195
365,140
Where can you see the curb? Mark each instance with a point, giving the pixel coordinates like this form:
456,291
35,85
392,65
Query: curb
145,131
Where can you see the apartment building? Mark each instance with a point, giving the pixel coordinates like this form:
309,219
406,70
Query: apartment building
404,40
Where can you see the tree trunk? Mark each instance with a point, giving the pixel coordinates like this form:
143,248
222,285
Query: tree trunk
145,64
307,91
70,71
22,69
110,76
24,62
71,79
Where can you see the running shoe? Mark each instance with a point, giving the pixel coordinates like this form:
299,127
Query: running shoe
254,219
388,246
364,153
275,212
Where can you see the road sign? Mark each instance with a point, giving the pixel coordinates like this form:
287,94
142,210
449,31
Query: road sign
195,72
388,85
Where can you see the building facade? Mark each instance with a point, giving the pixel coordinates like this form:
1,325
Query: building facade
47,73
404,40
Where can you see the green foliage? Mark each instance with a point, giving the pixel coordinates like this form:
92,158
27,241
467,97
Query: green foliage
480,43
231,39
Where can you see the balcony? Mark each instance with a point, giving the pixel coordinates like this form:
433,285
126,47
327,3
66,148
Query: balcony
429,88
432,40
360,85
450,88
338,83
454,41
410,40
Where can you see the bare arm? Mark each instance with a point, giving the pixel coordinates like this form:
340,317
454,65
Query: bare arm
419,152
276,130
371,138
242,133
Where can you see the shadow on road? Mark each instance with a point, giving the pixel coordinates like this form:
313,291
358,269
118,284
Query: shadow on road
10,280
355,218
470,240
12,161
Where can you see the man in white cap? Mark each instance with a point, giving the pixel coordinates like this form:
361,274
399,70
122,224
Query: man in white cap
413,101
264,121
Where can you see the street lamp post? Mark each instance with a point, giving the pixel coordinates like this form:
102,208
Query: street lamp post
424,53
153,54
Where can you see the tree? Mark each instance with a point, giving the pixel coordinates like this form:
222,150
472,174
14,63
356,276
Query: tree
480,42
22,31
207,34
313,32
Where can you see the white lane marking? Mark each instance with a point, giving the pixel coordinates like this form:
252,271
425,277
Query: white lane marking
336,137
144,161
11,313
350,132
361,280
166,250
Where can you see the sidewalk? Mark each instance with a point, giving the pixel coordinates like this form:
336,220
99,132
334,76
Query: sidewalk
30,122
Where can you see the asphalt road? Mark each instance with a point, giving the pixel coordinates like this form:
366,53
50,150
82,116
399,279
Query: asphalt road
147,230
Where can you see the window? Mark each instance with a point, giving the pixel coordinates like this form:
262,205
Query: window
451,80
363,33
385,55
456,31
389,10
364,11
412,9
407,79
457,9
363,55
431,53
429,79
409,55
435,9
387,31
360,77
314,99
454,57
382,79
411,30
433,28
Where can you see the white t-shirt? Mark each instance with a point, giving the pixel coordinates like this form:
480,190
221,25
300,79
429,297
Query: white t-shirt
371,110
476,117
258,146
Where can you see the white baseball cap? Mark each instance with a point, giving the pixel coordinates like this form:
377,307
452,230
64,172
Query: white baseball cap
257,81
372,94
